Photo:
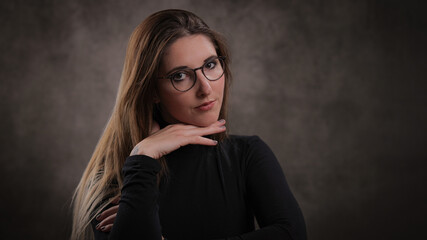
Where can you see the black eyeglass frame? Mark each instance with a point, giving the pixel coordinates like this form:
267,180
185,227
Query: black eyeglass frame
221,61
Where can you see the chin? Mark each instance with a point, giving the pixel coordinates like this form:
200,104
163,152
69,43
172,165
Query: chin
196,119
204,121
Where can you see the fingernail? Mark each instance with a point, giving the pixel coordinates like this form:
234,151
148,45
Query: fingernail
215,141
97,226
223,126
97,217
102,228
222,121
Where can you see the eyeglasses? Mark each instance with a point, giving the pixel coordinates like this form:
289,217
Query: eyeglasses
184,79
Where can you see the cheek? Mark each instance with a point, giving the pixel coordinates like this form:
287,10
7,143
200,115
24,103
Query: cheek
171,101
166,94
175,104
219,88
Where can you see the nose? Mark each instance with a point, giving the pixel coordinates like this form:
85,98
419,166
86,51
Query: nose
203,85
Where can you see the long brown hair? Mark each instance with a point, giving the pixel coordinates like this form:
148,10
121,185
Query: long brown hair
132,116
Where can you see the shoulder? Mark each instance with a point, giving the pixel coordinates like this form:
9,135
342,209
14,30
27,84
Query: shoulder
247,147
238,144
242,140
251,156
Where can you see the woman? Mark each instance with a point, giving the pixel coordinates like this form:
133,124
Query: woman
166,154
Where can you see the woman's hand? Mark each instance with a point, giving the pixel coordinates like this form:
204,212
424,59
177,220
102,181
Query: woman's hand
107,216
158,144
174,136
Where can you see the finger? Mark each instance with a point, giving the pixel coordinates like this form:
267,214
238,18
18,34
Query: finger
106,228
220,122
203,141
190,127
212,129
104,214
171,127
216,123
108,220
116,200
180,129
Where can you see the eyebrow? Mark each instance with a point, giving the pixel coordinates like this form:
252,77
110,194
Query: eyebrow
186,67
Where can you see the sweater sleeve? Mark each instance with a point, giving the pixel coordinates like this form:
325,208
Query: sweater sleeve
137,216
273,203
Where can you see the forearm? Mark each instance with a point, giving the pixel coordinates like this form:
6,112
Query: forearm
276,209
137,216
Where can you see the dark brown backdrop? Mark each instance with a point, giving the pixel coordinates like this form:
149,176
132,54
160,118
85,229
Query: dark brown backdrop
336,88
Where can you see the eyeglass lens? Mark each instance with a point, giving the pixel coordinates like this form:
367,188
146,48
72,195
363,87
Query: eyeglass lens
184,80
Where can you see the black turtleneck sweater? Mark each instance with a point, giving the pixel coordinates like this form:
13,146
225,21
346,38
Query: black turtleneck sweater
210,193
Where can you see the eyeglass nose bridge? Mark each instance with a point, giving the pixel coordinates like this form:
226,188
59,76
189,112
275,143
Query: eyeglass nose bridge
194,77
195,74
221,61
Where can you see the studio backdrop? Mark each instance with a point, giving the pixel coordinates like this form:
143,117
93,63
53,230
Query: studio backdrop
336,88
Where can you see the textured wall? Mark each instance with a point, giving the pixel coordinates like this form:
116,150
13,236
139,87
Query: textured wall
336,88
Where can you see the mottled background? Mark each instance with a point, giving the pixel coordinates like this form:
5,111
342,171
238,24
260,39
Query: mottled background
336,88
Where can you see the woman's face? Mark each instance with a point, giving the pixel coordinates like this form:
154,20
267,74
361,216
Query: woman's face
201,104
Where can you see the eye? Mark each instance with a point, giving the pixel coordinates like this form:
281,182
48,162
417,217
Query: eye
178,76
211,64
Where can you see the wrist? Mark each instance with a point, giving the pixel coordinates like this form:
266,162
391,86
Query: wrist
141,150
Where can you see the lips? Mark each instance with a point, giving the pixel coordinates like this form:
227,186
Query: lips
206,106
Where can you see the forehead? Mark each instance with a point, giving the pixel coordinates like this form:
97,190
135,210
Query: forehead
190,51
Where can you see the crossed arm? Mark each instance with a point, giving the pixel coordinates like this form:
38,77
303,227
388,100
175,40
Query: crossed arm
272,202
